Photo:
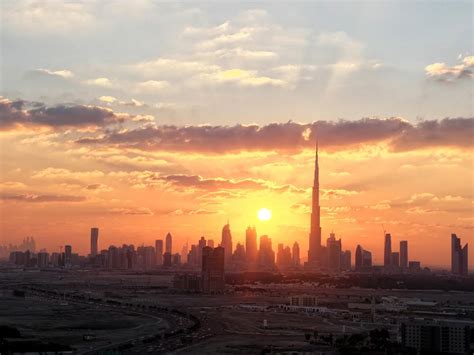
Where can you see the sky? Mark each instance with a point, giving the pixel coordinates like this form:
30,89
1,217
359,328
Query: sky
146,117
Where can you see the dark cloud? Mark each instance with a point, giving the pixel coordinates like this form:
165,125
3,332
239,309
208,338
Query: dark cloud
219,184
40,198
454,132
21,112
293,137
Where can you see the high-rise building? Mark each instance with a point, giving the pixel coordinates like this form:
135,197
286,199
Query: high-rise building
94,241
212,273
67,255
201,245
159,252
251,246
284,260
167,259
404,254
184,251
43,259
395,259
296,254
169,243
266,255
210,243
314,252
226,243
363,259
387,255
334,248
346,260
459,256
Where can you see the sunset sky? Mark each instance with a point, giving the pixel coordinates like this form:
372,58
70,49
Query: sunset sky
144,117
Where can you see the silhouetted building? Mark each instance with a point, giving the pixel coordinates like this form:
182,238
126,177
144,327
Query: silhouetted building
210,243
314,252
43,259
212,274
201,245
239,259
459,256
94,241
251,250
346,260
395,259
363,259
226,243
387,255
176,259
435,337
334,248
167,259
296,254
404,254
68,255
284,260
266,255
169,243
414,266
159,252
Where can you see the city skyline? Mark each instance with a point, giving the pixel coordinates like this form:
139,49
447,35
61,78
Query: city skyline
179,123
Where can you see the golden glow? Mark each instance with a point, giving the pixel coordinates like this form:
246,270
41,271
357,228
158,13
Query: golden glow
264,214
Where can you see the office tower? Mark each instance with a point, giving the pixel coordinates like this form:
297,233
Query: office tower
284,260
334,248
266,255
314,252
212,273
251,246
404,254
201,246
159,252
414,266
296,254
167,259
67,255
43,259
184,251
94,241
459,256
176,259
363,259
395,259
226,243
210,243
428,336
239,259
387,255
169,243
346,260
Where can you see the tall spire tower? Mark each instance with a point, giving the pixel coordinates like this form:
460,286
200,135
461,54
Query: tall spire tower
314,251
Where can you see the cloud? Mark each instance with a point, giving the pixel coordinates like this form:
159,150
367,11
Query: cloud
140,211
399,134
40,198
151,86
108,99
181,212
102,82
65,174
445,73
63,73
450,132
20,112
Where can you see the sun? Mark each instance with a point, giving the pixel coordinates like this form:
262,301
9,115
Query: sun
264,214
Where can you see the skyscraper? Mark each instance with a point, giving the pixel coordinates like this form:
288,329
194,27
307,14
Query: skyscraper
334,248
251,246
387,255
404,254
159,252
94,241
459,256
266,255
314,252
169,243
212,273
296,254
67,255
363,259
226,243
